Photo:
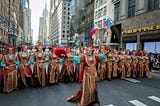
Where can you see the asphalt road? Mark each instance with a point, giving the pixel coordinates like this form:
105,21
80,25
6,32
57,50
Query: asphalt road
130,92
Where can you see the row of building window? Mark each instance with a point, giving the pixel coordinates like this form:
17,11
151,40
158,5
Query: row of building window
66,4
99,3
65,13
65,8
100,23
152,4
101,12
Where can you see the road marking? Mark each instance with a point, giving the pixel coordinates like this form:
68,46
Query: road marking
132,80
137,103
109,105
154,98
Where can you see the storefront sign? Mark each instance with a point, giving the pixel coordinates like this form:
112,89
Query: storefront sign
143,29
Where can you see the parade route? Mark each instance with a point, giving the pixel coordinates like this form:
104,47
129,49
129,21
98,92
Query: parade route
117,92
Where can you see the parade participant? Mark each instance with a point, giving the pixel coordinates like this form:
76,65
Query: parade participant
47,53
80,65
128,64
1,64
32,56
134,64
24,72
102,63
115,63
67,72
76,63
39,67
141,64
115,66
146,65
122,62
53,69
9,73
109,65
88,92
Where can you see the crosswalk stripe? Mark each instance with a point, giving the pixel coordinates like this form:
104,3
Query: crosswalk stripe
137,103
154,98
132,80
109,105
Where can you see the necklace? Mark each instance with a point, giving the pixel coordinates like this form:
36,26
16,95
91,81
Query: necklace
89,63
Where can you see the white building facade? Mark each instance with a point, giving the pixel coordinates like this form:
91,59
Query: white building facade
59,22
103,10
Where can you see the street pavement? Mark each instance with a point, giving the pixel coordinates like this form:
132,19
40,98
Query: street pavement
129,92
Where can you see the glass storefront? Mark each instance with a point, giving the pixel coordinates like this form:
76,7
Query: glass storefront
131,46
153,47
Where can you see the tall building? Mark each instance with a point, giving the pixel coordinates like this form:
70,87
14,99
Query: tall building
12,17
43,26
27,37
59,22
86,22
16,22
4,14
77,6
139,24
103,10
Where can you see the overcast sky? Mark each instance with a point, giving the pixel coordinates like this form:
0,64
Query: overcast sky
37,7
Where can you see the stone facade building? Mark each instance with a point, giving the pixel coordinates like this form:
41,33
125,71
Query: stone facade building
138,22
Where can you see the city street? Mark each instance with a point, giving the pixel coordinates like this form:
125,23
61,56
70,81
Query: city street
72,38
130,92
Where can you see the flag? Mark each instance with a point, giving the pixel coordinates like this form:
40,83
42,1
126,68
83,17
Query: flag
107,25
93,30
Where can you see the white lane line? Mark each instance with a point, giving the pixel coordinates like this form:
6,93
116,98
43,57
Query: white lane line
154,98
132,80
137,103
109,105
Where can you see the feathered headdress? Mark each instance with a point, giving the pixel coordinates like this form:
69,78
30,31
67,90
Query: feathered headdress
60,52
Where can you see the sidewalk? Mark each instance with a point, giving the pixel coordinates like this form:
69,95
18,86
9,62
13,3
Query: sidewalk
155,73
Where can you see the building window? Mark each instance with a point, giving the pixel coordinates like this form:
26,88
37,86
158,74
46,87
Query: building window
99,13
68,8
104,1
101,2
68,4
131,8
105,10
63,31
97,3
100,24
67,31
68,22
153,4
101,10
64,8
116,11
68,13
63,36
